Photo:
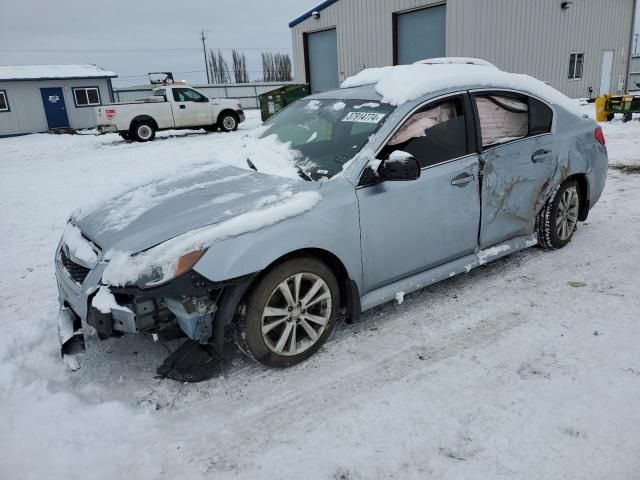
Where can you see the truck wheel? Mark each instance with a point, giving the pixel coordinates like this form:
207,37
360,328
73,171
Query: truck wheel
143,132
610,116
558,219
290,313
228,122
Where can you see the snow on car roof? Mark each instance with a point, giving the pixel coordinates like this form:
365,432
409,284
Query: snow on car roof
40,72
404,83
455,60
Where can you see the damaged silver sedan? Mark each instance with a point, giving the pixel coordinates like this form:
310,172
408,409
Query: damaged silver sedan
388,199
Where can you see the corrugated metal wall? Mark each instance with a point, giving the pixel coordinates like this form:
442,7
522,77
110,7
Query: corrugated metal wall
634,73
524,36
537,36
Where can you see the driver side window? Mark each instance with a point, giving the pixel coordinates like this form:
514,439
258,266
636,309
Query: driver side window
434,134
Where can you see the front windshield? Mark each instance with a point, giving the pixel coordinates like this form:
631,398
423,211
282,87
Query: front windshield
327,133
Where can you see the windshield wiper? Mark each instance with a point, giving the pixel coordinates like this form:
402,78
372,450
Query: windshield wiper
304,175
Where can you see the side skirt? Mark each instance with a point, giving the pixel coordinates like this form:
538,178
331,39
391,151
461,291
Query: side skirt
442,272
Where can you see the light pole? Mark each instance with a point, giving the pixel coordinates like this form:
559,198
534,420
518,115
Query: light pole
204,51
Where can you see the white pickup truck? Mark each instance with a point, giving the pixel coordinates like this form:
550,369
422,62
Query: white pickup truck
169,107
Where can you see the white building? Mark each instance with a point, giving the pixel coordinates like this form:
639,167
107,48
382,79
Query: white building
581,47
39,98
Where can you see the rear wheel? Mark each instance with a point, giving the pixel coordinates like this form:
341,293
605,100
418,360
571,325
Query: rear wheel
290,313
558,220
143,132
228,121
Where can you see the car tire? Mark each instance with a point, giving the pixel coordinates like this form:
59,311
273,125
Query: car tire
125,135
610,117
289,314
228,121
143,132
558,219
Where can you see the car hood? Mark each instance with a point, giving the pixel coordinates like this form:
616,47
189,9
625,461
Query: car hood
156,212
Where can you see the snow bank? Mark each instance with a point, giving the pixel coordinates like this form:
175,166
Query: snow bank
405,83
125,269
79,247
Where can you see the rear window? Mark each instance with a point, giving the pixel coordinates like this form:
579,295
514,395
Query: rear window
540,117
504,118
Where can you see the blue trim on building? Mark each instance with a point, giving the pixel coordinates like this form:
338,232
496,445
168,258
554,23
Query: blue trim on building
304,16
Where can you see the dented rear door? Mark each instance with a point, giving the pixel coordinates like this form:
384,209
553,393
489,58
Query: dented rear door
519,157
514,178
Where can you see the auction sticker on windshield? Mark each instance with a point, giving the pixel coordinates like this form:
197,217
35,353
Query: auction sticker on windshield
363,117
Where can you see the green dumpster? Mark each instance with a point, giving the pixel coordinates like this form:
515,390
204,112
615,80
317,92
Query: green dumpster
275,100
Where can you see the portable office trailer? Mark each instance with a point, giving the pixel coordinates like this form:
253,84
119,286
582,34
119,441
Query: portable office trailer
39,98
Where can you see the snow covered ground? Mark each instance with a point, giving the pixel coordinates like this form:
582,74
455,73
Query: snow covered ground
525,368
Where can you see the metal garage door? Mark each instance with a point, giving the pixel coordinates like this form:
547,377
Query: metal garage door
322,55
420,34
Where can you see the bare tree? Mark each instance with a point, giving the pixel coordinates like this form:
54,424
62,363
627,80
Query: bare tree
218,67
276,67
240,67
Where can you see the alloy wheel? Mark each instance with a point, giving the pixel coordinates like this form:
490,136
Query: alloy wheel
567,216
296,314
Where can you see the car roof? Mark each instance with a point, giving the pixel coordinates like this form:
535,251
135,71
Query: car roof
364,92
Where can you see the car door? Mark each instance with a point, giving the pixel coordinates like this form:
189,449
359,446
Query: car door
518,160
193,108
408,227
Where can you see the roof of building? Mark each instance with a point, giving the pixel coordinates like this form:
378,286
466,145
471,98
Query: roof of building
51,72
304,16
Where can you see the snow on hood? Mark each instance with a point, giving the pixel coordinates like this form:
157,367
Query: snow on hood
404,83
160,262
79,248
154,213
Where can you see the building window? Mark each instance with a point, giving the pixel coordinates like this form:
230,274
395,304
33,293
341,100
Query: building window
4,102
576,62
86,96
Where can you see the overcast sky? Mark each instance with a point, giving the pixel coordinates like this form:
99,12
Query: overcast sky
133,37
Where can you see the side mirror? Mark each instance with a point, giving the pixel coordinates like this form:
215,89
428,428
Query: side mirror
400,166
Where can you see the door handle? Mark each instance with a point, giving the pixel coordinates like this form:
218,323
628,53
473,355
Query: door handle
182,107
462,180
541,155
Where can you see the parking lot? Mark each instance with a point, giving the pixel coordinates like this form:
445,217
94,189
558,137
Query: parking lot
524,368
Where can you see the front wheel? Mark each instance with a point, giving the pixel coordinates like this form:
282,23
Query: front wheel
290,313
558,220
228,122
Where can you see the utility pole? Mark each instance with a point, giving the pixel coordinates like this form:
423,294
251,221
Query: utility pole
204,51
